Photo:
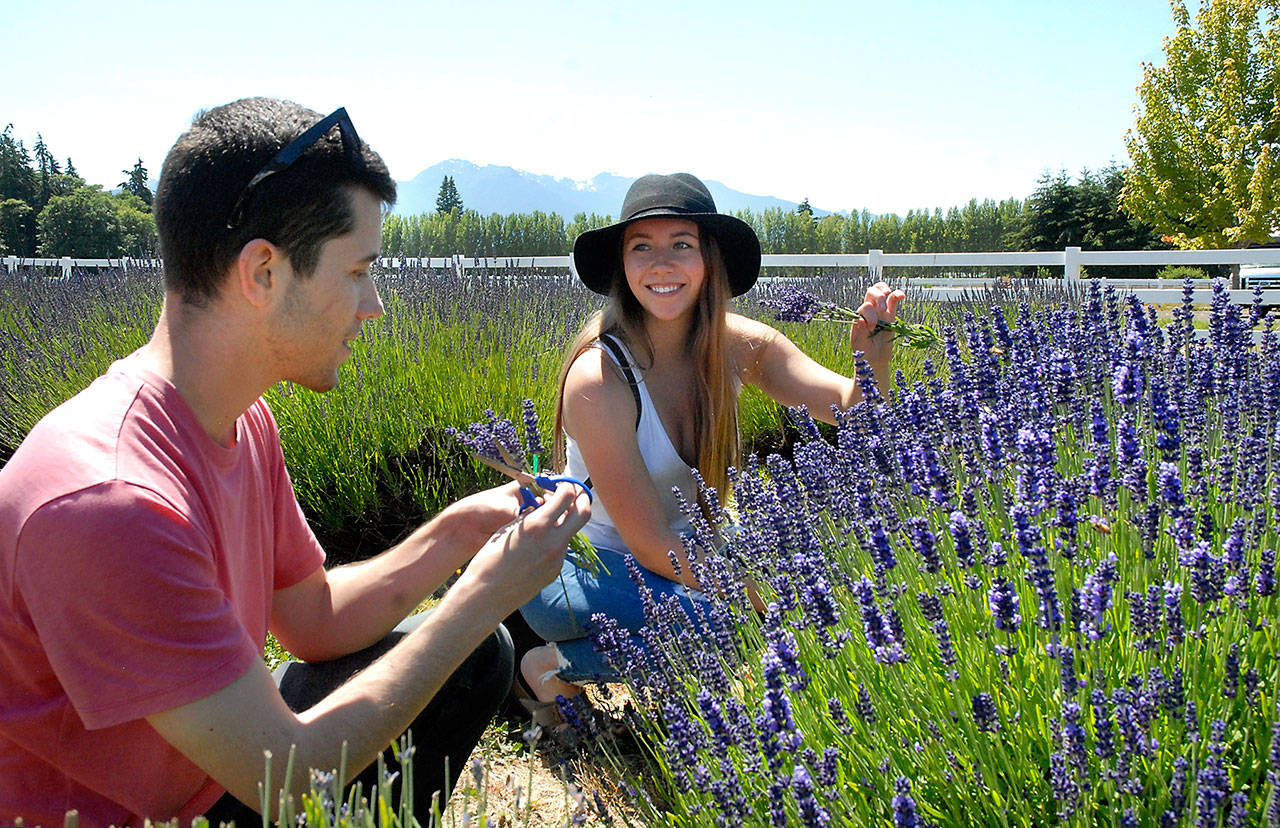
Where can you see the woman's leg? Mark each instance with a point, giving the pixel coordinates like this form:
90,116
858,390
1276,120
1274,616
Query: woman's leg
562,612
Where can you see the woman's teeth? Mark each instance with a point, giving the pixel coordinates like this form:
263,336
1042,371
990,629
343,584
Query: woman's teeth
665,288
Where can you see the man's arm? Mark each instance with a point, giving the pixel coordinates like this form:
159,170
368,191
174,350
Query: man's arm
226,732
339,611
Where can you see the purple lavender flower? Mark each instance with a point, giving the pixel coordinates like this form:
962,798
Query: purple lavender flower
1130,459
1067,672
1126,384
828,769
778,804
1212,783
790,304
839,716
1231,672
1003,600
878,626
879,548
1103,727
925,543
962,540
1171,486
1097,596
812,814
1040,574
1065,788
1175,628
904,807
985,716
1264,582
1177,794
863,706
532,432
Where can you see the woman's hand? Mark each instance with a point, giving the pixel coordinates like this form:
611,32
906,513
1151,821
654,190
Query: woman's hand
880,305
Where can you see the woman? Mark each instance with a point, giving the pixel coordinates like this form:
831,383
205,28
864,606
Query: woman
649,389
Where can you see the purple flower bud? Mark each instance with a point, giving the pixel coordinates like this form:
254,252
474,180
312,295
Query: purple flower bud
985,716
904,807
1003,600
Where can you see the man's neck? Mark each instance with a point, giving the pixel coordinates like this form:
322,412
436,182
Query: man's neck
200,352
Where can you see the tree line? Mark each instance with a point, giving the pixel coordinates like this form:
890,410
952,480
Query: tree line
47,209
1083,210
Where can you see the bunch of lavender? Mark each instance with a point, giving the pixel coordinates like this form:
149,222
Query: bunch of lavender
1042,580
791,304
499,444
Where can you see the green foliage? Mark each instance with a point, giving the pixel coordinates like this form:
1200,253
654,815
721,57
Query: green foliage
469,233
1181,272
80,224
448,201
135,183
90,223
1206,168
1085,213
977,226
15,224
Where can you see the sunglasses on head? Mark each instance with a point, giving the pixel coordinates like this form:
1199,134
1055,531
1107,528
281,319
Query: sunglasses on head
294,150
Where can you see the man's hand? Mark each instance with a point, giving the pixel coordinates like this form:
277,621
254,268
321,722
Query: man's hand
476,518
527,553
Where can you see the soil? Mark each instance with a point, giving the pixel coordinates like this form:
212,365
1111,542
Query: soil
561,782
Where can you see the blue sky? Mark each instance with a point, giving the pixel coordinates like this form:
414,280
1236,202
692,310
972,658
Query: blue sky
881,105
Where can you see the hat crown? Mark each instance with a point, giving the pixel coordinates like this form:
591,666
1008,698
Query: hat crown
666,194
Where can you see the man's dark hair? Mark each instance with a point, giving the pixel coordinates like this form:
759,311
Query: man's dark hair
297,209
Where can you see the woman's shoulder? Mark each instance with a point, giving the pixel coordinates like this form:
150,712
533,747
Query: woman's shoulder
593,369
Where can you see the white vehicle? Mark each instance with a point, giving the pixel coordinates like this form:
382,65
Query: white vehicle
1264,276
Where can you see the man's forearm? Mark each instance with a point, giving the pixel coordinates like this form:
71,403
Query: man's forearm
352,606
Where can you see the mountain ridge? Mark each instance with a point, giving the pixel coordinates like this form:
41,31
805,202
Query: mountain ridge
493,188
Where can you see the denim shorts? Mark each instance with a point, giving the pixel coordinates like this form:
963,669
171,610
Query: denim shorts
561,613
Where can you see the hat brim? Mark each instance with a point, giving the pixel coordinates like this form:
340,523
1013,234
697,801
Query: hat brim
596,252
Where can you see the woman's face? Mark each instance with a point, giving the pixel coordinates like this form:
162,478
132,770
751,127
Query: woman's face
663,263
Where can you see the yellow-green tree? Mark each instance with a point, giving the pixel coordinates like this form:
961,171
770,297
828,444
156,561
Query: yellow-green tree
1205,144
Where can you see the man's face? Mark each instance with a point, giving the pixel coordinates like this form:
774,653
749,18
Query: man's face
320,315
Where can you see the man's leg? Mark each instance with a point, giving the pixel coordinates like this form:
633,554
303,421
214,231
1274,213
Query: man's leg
446,730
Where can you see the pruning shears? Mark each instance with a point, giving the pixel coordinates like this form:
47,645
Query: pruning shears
532,485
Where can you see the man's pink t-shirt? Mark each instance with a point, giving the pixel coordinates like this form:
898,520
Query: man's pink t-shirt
137,563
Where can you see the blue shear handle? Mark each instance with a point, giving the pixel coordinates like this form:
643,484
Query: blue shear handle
550,482
528,501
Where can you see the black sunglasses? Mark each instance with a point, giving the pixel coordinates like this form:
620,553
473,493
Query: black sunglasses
294,150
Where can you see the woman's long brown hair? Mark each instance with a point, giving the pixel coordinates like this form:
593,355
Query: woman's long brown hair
716,403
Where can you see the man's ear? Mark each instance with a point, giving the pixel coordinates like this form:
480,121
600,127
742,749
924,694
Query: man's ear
258,271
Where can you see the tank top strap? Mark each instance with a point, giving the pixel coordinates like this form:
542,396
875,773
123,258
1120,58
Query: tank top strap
619,354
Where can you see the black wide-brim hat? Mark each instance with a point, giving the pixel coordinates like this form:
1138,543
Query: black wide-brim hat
597,253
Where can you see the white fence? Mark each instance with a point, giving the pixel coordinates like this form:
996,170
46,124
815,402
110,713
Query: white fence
66,263
1071,260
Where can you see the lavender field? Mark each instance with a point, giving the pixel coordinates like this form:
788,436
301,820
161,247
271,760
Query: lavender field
1031,583
1035,587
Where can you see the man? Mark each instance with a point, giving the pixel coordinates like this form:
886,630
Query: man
149,535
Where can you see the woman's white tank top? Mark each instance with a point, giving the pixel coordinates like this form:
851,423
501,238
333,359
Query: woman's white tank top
667,469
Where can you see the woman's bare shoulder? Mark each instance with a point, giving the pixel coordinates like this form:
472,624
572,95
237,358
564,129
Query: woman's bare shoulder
595,380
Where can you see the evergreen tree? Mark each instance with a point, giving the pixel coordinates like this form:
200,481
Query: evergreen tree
448,201
135,183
